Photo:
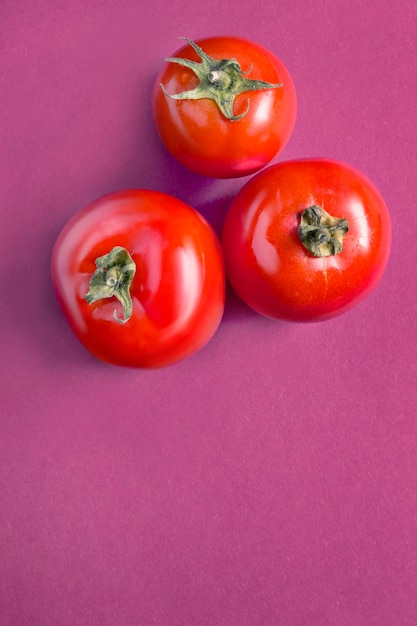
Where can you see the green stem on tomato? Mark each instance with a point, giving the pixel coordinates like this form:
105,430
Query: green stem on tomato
113,277
321,233
220,80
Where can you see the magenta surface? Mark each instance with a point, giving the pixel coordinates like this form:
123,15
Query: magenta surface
271,478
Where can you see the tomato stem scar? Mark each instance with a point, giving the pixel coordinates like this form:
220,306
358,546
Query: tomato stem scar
321,233
220,80
113,277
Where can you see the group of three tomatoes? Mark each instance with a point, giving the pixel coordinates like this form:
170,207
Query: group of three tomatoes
141,276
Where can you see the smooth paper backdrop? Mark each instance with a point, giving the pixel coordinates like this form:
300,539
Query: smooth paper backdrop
269,480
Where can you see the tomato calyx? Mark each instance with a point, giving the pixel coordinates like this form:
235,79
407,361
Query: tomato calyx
321,233
219,80
113,277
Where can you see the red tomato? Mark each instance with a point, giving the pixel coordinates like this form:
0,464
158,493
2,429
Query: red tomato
306,240
224,107
140,277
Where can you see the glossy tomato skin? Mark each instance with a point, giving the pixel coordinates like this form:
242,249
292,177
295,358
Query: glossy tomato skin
197,134
177,291
268,266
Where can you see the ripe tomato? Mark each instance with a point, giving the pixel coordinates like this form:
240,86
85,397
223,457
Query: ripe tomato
306,240
140,277
224,107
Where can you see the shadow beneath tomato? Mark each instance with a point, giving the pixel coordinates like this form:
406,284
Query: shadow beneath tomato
213,205
236,309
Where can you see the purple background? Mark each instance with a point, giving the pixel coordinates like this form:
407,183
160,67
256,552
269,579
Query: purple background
271,479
